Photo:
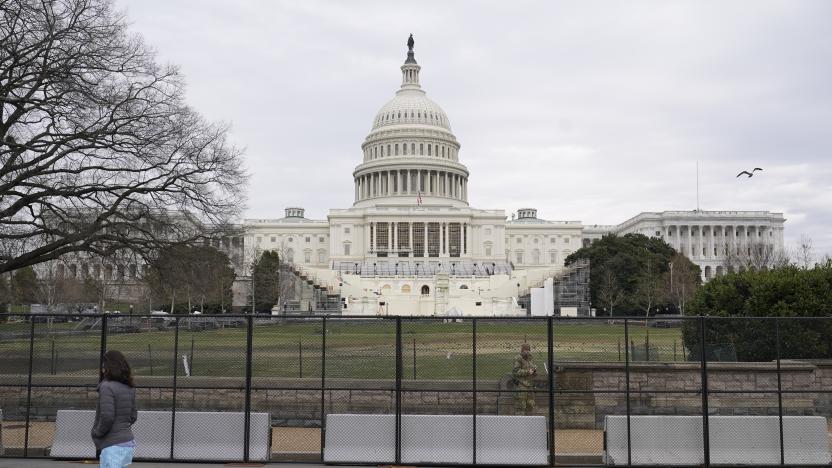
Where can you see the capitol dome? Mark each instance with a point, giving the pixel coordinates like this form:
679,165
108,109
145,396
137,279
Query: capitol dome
411,155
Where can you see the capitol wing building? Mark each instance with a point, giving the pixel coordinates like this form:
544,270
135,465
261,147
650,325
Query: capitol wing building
412,245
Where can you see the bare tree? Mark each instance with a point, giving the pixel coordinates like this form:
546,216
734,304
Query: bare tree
680,282
98,150
805,252
609,291
755,256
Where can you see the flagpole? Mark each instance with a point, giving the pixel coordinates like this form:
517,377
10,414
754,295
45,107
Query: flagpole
697,185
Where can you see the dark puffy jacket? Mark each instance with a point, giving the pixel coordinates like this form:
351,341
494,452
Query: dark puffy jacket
115,412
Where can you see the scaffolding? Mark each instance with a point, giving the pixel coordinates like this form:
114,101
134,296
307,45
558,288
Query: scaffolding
571,288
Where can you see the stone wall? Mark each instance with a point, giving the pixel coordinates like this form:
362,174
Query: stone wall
585,393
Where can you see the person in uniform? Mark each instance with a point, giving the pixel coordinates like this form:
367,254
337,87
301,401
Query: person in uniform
524,372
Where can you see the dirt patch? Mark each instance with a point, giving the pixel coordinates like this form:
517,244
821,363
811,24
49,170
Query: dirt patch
305,440
40,434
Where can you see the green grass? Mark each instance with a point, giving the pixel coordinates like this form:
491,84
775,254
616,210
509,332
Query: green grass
354,349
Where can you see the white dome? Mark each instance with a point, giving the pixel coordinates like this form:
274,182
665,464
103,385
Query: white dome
411,106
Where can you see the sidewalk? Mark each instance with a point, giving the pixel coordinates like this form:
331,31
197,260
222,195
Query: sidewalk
47,463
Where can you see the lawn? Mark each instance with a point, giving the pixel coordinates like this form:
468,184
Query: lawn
354,349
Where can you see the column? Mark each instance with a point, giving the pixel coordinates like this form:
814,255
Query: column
410,237
395,236
442,238
373,236
463,235
398,181
389,237
425,241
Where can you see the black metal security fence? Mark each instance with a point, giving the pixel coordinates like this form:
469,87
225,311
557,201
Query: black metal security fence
323,388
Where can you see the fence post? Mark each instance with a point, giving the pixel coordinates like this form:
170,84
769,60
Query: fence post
175,375
323,385
779,390
627,386
29,386
398,454
706,433
414,358
474,385
102,346
300,358
550,343
247,414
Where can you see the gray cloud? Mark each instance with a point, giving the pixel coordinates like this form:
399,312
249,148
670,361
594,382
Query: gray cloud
587,110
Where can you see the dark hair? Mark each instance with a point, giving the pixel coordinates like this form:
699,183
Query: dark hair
116,368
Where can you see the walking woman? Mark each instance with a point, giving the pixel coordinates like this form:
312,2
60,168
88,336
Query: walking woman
115,412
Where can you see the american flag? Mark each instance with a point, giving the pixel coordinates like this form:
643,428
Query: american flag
419,197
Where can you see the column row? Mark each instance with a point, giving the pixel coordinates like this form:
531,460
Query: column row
411,182
422,239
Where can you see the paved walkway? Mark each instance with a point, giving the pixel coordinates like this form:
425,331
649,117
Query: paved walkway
47,463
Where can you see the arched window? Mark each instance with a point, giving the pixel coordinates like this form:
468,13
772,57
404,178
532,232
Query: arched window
463,286
413,148
290,255
421,149
406,289
397,149
425,290
386,289
429,150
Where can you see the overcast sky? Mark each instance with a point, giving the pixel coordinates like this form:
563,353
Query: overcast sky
591,111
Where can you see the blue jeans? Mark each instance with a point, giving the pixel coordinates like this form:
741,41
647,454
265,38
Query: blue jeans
115,456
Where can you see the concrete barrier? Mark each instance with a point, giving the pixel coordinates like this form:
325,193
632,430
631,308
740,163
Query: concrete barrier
198,435
734,440
360,438
445,439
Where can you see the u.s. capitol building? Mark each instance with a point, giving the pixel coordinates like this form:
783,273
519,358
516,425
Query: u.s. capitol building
411,243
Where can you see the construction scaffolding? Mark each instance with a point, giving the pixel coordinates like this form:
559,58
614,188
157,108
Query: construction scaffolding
571,288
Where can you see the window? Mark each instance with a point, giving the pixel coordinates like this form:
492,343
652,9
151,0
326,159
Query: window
565,240
425,290
536,241
259,239
519,257
552,240
321,256
535,256
413,148
487,250
406,289
307,257
321,240
463,286
487,231
289,239
274,239
429,150
519,240
346,230
553,257
308,239
421,149
658,233
346,249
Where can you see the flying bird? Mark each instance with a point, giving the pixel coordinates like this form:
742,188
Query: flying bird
750,174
